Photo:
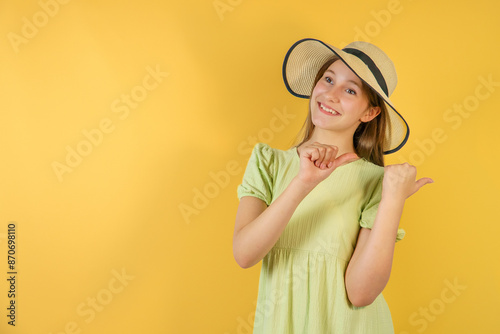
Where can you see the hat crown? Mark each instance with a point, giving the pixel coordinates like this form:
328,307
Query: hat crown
381,60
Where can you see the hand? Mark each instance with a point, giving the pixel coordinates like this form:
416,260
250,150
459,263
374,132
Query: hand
399,181
318,161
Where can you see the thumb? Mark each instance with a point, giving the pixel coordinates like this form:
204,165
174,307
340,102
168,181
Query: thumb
423,181
345,159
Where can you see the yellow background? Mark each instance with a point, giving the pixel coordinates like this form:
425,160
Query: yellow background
120,208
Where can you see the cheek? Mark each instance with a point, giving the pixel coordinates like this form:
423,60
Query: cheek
312,100
362,106
355,105
319,88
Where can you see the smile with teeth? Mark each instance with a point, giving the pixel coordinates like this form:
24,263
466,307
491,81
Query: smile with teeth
328,110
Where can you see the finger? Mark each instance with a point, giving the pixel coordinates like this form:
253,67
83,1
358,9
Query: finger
330,154
326,152
322,153
312,153
423,181
318,156
323,156
345,159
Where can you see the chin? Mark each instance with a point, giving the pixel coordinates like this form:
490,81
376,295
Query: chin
320,123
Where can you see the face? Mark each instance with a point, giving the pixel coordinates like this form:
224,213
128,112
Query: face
338,102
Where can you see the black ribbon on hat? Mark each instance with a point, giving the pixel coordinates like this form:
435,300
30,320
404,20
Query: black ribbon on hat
371,65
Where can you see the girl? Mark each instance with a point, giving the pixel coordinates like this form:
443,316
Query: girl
323,215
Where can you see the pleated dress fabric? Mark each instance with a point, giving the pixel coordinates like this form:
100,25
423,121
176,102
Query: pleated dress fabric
301,286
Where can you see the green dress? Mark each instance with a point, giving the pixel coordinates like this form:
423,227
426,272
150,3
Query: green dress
301,286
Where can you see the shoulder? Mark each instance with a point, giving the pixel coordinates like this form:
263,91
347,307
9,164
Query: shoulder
370,176
273,159
263,150
263,147
372,169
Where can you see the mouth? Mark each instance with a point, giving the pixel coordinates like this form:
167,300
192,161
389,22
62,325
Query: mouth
329,111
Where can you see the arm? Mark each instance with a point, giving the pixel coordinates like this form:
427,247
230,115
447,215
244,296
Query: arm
370,266
257,228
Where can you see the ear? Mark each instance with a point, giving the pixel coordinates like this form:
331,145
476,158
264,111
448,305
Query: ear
370,114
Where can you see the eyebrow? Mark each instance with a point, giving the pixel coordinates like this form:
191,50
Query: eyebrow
354,82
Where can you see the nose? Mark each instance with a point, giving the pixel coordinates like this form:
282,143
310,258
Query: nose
333,93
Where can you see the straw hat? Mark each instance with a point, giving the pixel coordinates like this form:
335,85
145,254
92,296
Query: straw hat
305,58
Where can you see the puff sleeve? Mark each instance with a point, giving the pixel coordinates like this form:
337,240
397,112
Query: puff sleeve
370,210
258,179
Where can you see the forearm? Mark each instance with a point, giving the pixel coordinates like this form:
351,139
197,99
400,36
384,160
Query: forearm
368,275
257,238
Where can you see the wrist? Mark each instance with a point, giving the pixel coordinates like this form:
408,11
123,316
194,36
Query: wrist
393,197
303,186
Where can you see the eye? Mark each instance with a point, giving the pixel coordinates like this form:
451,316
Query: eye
328,79
350,91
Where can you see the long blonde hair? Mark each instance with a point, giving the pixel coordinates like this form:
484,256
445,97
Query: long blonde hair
369,138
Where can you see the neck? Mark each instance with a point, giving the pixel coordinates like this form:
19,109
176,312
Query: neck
342,141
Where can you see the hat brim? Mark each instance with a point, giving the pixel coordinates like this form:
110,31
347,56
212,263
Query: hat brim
303,61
